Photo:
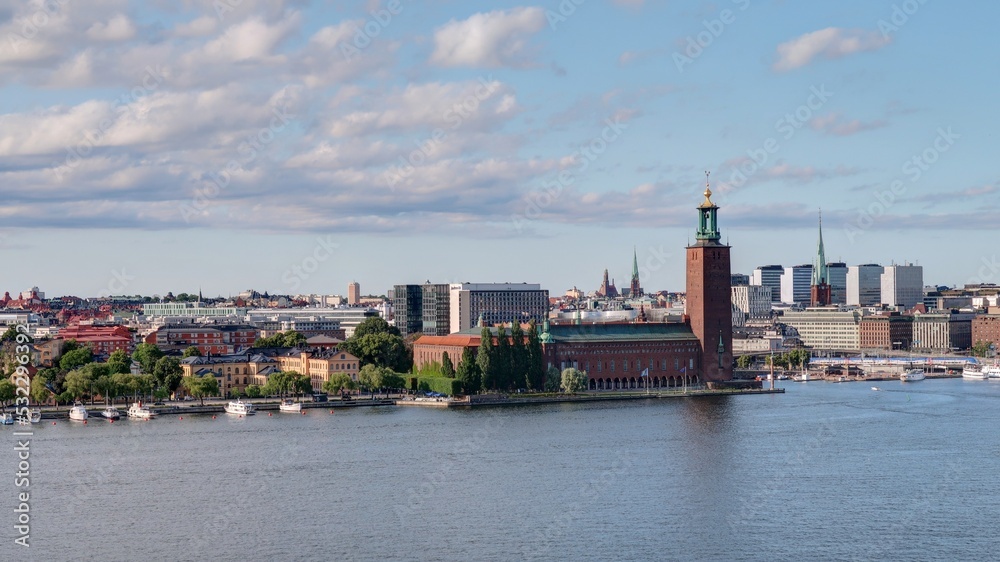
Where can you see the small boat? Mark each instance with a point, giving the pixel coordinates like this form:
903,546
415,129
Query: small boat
802,377
6,418
240,407
111,413
140,412
876,389
992,371
78,412
975,372
783,377
290,406
912,375
36,415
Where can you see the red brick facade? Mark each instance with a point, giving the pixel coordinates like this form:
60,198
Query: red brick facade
103,340
986,328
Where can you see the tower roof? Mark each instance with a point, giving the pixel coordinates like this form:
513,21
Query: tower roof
819,272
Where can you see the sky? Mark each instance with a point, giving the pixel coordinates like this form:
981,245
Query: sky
293,147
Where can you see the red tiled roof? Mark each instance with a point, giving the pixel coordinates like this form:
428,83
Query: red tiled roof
450,340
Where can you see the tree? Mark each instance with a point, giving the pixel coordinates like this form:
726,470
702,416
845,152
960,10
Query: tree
518,357
69,345
536,360
119,362
504,375
468,372
192,351
126,383
338,383
553,378
146,355
300,383
484,359
374,325
573,380
11,336
744,361
447,369
370,377
8,392
200,387
76,358
40,392
78,383
380,349
981,349
253,391
167,371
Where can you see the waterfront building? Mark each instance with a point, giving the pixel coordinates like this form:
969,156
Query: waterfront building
754,301
769,276
495,303
319,364
864,284
902,285
422,309
825,328
986,329
708,296
837,277
234,372
209,339
885,331
325,320
353,293
942,331
795,284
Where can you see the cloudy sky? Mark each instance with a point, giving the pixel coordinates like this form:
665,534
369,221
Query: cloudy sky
295,146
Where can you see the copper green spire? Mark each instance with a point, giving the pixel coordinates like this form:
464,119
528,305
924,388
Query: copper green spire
708,221
635,264
820,275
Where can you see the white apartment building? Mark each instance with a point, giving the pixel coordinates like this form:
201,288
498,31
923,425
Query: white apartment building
902,285
496,303
864,284
826,329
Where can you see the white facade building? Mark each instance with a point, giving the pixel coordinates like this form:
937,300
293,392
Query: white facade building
753,300
769,276
902,285
795,283
826,329
496,303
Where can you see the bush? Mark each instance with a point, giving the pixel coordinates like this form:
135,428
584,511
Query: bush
441,385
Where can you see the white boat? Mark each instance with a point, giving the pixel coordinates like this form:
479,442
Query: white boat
912,375
803,377
876,389
992,371
78,412
6,418
290,406
36,415
972,371
240,407
140,412
111,413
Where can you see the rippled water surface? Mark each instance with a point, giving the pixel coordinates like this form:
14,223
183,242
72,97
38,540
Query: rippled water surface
825,471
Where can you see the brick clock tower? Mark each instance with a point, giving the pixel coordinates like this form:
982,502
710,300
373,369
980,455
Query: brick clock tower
709,295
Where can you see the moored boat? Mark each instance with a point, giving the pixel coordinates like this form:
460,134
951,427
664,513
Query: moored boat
912,375
992,371
972,371
240,407
290,406
6,418
78,412
36,415
111,413
140,412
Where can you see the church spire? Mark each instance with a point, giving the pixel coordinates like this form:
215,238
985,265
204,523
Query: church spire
635,264
819,273
635,291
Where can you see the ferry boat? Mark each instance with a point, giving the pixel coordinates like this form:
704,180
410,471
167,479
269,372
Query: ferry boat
290,406
138,411
111,413
912,375
972,371
6,418
240,407
992,371
78,412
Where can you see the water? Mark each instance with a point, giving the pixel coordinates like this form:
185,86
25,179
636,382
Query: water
825,471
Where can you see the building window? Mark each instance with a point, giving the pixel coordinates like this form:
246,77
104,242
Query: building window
691,363
612,365
677,363
599,366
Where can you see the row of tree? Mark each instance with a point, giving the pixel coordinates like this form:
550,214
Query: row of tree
515,362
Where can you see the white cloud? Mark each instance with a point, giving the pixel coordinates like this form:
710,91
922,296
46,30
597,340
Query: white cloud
829,43
118,28
200,27
492,39
837,125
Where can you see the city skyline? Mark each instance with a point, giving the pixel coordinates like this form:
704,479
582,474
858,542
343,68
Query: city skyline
295,147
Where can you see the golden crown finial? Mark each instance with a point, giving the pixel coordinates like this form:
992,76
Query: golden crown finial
708,191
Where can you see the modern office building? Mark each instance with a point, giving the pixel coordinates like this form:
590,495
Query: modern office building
939,332
864,284
408,308
739,279
495,303
826,329
837,274
902,285
754,301
795,284
769,276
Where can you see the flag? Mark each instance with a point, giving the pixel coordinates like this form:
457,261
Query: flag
684,369
645,372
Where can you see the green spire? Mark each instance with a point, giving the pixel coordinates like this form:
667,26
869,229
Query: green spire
708,220
820,275
635,264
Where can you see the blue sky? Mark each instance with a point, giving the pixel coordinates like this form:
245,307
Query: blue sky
295,146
